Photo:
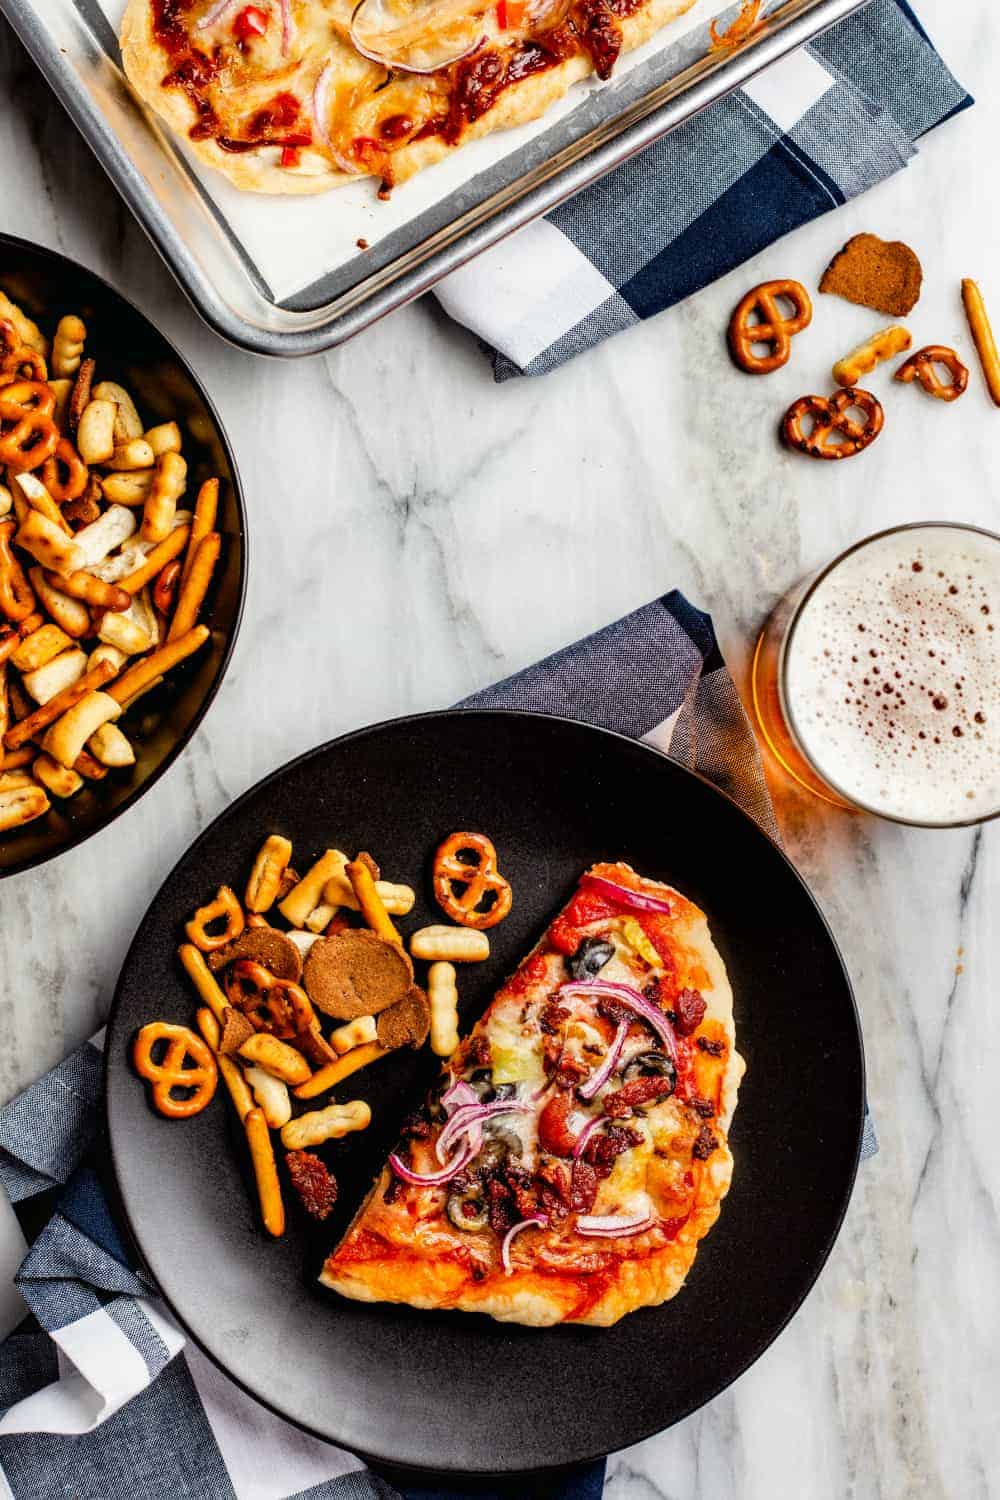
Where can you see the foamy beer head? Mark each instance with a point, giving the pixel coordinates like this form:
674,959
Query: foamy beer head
891,679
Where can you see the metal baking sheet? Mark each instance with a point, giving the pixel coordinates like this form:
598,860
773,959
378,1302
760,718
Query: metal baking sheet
285,276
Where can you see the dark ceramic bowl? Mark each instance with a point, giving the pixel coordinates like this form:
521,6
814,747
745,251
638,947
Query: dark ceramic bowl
128,349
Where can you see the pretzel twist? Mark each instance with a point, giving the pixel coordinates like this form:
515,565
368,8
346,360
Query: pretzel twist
831,415
922,367
773,328
22,363
278,1006
225,905
172,1072
64,473
475,879
28,434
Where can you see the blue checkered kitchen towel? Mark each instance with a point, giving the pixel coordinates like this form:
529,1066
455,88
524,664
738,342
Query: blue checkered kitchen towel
100,1395
814,130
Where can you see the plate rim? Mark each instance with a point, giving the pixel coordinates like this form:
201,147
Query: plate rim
80,837
760,1346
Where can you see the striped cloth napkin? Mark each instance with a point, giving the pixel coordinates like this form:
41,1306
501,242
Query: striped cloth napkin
100,1394
808,134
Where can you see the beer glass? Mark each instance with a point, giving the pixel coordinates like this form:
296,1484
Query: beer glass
876,683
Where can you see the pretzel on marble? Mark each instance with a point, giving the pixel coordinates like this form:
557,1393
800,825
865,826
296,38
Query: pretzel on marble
922,367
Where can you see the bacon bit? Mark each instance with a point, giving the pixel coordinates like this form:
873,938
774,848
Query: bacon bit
362,244
603,1150
478,1052
584,1187
746,23
713,1048
551,1017
689,1008
704,1145
702,1106
638,1091
313,1181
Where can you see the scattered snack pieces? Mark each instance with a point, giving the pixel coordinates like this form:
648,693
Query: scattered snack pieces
355,974
468,885
327,1124
831,419
266,876
771,327
352,1062
236,1030
407,1023
276,1057
271,1095
262,1028
883,275
983,337
171,1072
265,1168
443,994
74,563
261,945
862,361
458,945
922,367
354,1034
314,1183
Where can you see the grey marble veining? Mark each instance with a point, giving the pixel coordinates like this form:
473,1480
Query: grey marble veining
395,476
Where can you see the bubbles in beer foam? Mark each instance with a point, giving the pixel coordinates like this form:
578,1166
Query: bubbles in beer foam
893,675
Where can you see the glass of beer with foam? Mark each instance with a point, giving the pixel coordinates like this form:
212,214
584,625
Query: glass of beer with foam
876,683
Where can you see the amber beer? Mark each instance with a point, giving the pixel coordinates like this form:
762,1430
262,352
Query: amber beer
876,684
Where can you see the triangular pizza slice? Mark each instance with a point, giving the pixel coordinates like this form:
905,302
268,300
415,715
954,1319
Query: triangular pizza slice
574,1150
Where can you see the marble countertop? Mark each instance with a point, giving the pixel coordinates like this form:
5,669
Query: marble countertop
393,470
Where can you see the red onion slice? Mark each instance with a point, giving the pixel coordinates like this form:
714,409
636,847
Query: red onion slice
216,13
644,1008
540,1219
601,1075
615,1224
588,1130
431,1179
390,46
319,113
623,895
468,1121
457,1094
287,27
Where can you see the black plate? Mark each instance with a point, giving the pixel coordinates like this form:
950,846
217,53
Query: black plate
454,1391
130,350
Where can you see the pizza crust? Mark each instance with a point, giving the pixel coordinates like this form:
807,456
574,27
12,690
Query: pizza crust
259,171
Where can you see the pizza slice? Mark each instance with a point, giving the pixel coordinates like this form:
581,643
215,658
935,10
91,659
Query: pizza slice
574,1151
299,96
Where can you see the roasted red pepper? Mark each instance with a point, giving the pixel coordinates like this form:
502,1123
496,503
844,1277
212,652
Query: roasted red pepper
250,22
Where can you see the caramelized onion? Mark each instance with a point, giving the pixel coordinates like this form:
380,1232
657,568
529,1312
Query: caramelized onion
424,42
540,1219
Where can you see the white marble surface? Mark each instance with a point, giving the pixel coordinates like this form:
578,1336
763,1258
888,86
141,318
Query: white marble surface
395,471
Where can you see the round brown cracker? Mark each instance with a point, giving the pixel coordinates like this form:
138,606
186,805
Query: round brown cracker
355,973
407,1023
885,275
262,945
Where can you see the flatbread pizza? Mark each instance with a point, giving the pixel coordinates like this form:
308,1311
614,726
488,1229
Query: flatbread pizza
299,96
575,1150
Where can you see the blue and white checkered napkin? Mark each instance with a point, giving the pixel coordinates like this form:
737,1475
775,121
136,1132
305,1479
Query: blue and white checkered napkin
813,131
106,1398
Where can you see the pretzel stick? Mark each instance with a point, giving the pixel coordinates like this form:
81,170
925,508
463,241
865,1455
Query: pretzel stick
983,337
202,978
232,1073
194,585
335,1072
205,511
158,662
91,589
16,758
371,903
161,554
266,1172
47,714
